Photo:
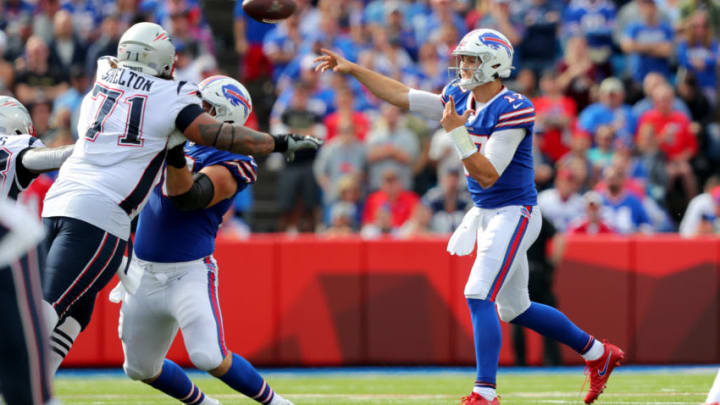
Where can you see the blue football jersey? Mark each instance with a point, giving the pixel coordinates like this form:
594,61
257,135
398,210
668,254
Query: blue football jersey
166,235
507,110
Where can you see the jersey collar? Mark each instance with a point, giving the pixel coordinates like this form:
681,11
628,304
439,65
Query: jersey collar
470,101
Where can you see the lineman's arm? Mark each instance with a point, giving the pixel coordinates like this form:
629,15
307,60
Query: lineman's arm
189,192
206,130
39,160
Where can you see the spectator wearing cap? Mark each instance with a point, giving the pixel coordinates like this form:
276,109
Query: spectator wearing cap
343,155
561,204
555,117
673,132
36,81
699,53
649,43
391,199
650,83
610,110
595,21
391,145
591,223
448,202
623,211
702,207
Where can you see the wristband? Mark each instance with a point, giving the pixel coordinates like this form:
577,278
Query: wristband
463,143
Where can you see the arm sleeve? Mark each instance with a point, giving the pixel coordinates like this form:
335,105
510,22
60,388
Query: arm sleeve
39,160
198,197
427,104
501,147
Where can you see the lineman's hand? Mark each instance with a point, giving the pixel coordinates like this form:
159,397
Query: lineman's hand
332,61
289,143
450,119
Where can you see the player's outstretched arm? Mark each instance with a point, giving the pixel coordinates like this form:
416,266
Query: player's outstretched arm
206,130
39,160
381,86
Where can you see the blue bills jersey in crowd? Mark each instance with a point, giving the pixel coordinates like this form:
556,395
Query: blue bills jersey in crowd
507,110
166,235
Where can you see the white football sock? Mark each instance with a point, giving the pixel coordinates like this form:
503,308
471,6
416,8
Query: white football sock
61,340
596,351
714,394
486,392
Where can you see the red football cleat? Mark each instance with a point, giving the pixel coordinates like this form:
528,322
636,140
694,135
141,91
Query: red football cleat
477,399
712,403
599,370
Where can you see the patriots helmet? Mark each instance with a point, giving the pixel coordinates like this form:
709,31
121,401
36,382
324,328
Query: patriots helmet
228,99
493,52
14,118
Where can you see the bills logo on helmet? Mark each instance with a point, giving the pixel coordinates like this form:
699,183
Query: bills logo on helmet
494,41
235,96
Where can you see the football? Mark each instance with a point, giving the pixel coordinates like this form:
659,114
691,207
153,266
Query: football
269,11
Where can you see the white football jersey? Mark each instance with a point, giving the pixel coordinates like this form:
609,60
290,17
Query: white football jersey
123,130
10,148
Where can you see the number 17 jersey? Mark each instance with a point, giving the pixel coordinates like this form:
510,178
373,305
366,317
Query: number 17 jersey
123,129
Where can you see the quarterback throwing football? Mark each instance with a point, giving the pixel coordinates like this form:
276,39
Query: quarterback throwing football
492,130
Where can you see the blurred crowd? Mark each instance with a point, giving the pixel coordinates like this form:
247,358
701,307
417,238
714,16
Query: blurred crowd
627,134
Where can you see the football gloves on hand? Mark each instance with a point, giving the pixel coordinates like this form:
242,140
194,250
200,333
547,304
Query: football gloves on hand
288,144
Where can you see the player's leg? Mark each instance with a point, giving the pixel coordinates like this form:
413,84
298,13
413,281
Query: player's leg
713,397
147,329
499,238
514,306
81,260
198,312
24,375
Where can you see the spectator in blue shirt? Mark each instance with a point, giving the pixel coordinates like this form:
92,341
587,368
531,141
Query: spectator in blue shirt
593,19
648,44
610,111
249,35
282,44
699,54
622,210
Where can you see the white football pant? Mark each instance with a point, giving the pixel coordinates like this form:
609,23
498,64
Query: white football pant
500,272
172,295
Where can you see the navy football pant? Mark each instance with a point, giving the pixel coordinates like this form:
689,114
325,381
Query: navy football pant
81,261
24,374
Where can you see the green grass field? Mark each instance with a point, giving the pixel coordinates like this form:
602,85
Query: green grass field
675,386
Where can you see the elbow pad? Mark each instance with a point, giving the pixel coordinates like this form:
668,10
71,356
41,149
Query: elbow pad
198,197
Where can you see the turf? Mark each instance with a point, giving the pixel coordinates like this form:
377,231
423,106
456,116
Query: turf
679,386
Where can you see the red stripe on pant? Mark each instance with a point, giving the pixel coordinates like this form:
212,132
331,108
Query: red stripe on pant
511,257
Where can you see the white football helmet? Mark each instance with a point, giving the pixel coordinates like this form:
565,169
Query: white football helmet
14,118
494,52
147,47
229,100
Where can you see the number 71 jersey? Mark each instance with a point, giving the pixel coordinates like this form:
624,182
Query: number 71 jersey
123,128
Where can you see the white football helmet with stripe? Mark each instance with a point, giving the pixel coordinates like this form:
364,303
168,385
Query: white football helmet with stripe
14,118
229,100
147,47
494,52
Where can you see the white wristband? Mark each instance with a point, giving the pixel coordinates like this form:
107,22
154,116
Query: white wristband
463,143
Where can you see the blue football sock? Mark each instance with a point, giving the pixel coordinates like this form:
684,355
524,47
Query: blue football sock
174,382
243,377
552,323
486,329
